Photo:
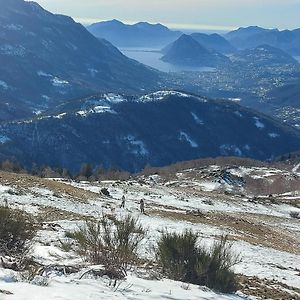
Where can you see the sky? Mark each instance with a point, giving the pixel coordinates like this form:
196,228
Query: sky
184,14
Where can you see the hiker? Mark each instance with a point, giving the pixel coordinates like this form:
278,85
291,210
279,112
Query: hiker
123,202
5,203
142,206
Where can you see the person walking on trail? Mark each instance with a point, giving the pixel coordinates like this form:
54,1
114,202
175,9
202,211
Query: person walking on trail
142,206
123,202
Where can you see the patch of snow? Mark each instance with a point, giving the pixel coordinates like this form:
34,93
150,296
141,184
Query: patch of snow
44,74
138,147
296,168
45,97
227,149
258,123
4,139
161,95
4,85
239,114
274,135
197,119
58,82
186,138
235,99
247,147
95,110
93,72
60,116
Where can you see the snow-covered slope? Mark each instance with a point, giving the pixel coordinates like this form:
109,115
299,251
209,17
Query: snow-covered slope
211,201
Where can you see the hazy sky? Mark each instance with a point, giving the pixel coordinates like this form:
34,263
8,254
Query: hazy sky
208,14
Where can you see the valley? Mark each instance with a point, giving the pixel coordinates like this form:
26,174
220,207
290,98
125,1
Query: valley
139,161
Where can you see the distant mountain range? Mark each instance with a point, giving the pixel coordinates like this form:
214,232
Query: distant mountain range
47,58
156,129
263,55
141,34
187,51
253,36
214,42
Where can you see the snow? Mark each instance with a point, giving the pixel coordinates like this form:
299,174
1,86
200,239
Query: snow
4,139
43,74
273,135
132,288
197,119
227,149
178,197
238,113
58,82
60,116
162,95
137,146
296,168
268,263
235,99
186,138
95,110
258,123
114,98
3,85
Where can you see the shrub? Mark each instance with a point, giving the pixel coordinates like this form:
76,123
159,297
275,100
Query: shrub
295,215
16,230
176,254
181,259
105,192
111,242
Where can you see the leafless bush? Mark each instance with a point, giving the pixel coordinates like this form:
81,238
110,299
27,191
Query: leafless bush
111,242
16,231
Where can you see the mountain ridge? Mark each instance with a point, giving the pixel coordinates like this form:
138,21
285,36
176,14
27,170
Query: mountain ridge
157,129
141,34
253,36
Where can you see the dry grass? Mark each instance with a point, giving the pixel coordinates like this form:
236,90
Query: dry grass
24,182
248,229
267,289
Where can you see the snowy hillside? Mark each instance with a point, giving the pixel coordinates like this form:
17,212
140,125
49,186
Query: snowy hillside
160,128
211,201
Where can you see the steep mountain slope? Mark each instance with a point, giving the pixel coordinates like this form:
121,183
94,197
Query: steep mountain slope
187,51
263,55
141,34
157,129
213,42
46,58
250,37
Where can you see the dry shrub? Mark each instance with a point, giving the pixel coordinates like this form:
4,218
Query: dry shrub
17,229
180,258
110,242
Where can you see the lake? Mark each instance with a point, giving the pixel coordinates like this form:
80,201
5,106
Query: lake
151,57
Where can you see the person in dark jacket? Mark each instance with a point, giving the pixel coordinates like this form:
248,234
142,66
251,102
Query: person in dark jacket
123,202
142,206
